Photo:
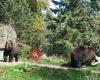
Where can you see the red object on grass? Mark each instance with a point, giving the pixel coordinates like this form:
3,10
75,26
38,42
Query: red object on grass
35,54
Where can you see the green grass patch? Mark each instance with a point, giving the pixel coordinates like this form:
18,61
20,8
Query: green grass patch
30,72
9,73
51,61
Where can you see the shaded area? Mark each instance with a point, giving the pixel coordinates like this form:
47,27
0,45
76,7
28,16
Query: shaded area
33,72
61,74
66,64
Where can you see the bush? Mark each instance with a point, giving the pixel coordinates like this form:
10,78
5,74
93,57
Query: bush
24,49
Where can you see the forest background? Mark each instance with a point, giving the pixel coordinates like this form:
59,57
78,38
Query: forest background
77,22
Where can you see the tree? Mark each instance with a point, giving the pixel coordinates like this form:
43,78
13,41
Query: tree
26,17
95,4
75,25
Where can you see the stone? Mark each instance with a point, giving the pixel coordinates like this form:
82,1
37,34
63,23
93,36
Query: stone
6,33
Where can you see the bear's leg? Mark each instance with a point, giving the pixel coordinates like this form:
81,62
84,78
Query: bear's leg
16,58
5,58
5,55
11,57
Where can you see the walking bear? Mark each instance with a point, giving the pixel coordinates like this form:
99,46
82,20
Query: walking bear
11,50
82,55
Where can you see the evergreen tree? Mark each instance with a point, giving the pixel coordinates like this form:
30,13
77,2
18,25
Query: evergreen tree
76,25
26,17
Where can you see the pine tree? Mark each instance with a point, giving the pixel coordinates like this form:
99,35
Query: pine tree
26,17
76,25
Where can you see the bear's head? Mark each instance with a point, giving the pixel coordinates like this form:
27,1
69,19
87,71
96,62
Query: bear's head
9,45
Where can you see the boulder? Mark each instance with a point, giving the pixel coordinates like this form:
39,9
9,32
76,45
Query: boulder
6,33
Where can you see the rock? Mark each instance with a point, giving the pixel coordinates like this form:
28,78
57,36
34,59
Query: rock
11,33
6,33
3,36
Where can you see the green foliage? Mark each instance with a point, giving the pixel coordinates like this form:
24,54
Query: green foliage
22,68
13,10
50,61
95,4
46,73
32,72
93,76
16,74
37,6
28,22
24,49
75,25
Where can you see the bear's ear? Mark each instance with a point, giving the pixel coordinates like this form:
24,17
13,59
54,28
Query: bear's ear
11,42
90,47
7,42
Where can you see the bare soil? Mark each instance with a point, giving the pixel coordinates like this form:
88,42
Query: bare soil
4,64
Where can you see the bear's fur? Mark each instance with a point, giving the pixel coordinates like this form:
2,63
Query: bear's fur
82,55
11,50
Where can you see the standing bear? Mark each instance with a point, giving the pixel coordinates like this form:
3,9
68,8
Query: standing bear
11,50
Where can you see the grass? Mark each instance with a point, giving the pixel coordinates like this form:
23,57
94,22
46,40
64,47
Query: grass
59,74
46,60
30,72
51,61
14,74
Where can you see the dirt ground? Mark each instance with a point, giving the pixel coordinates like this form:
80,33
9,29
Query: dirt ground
4,64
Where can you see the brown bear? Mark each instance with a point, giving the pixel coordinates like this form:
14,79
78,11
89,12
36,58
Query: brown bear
11,50
82,55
